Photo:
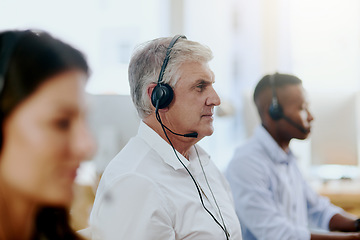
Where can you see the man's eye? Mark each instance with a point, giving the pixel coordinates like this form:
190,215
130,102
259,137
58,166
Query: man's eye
201,87
62,124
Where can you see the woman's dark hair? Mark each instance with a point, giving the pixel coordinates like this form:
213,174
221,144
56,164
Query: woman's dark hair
53,223
33,58
36,57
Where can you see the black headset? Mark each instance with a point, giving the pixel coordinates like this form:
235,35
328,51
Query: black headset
163,93
161,97
275,110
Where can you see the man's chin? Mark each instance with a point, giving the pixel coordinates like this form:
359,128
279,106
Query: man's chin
304,136
208,132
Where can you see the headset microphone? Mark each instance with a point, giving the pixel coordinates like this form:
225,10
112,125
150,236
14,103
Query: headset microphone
163,94
189,135
161,97
275,110
298,126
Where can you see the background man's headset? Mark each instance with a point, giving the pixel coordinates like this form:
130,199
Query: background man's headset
276,111
161,97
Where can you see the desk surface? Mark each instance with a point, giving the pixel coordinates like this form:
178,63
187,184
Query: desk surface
342,193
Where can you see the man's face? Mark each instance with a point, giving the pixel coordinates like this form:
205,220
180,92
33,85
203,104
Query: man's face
194,100
295,107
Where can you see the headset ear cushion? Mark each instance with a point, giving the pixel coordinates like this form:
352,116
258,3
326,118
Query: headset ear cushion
276,112
162,93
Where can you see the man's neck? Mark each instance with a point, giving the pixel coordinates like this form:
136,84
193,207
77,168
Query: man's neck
283,143
180,143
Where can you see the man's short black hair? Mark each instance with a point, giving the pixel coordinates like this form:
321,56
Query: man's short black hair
279,81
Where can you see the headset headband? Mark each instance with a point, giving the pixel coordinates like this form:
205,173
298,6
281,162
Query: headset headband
274,96
167,56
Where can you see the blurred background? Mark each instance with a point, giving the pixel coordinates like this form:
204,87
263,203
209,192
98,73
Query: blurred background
316,40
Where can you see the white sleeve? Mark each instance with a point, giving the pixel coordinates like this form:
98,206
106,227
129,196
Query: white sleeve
133,208
320,209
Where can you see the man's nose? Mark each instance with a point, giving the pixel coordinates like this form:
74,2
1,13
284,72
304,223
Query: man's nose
213,99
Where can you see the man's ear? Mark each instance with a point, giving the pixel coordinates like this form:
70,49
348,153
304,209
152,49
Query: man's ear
150,89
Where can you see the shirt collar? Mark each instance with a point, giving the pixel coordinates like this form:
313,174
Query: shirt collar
166,152
276,153
203,155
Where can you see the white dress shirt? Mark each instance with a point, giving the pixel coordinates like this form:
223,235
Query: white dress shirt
146,194
272,199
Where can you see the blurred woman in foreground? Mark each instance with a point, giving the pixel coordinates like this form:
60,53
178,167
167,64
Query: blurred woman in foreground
43,134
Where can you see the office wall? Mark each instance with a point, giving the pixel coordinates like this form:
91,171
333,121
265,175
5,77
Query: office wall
113,120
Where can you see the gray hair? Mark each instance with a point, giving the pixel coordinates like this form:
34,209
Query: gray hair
146,62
